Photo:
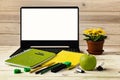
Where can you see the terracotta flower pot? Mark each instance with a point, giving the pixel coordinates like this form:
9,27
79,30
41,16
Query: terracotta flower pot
95,47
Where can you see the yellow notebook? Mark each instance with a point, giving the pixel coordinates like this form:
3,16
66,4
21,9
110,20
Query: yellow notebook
73,57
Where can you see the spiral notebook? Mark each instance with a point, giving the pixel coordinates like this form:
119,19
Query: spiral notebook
30,58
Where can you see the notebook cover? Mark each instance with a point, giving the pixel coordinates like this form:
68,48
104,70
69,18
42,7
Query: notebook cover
31,58
63,56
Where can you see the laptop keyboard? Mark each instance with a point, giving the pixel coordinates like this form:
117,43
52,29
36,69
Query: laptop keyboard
56,50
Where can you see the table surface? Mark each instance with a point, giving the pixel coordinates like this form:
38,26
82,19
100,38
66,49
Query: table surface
110,57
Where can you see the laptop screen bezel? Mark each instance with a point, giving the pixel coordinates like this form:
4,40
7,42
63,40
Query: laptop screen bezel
28,43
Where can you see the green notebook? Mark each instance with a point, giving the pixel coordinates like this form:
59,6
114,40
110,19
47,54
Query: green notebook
30,58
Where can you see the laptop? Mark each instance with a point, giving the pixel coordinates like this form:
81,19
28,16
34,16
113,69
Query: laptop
49,28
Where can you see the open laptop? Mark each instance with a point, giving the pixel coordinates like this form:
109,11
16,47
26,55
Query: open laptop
49,28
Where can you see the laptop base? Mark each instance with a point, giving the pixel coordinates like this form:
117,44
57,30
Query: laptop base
55,50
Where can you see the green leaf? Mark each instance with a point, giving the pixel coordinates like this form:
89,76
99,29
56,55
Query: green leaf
86,35
92,38
103,37
97,38
87,38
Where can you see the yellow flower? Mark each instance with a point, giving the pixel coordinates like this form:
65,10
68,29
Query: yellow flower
88,31
94,32
101,31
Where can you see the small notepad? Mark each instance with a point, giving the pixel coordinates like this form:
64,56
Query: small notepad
30,58
63,56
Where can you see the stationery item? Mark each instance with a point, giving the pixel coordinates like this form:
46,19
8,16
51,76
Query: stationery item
27,69
100,68
40,67
63,56
48,68
31,58
17,71
72,66
79,70
60,67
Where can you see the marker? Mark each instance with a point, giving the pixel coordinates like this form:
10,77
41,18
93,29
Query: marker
61,66
47,69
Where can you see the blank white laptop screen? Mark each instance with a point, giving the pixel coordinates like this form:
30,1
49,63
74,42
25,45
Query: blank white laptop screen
49,24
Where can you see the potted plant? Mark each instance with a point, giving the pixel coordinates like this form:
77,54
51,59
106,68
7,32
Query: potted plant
95,38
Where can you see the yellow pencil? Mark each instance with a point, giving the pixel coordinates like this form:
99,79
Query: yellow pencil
36,69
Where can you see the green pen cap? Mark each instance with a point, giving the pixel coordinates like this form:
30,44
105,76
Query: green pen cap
27,69
17,71
68,64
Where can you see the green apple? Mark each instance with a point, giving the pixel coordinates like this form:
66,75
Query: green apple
88,62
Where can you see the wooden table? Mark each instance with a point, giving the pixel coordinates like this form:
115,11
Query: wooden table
111,58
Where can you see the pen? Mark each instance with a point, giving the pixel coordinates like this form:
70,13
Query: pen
47,69
36,69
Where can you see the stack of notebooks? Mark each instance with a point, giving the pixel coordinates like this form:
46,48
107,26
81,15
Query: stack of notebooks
34,57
